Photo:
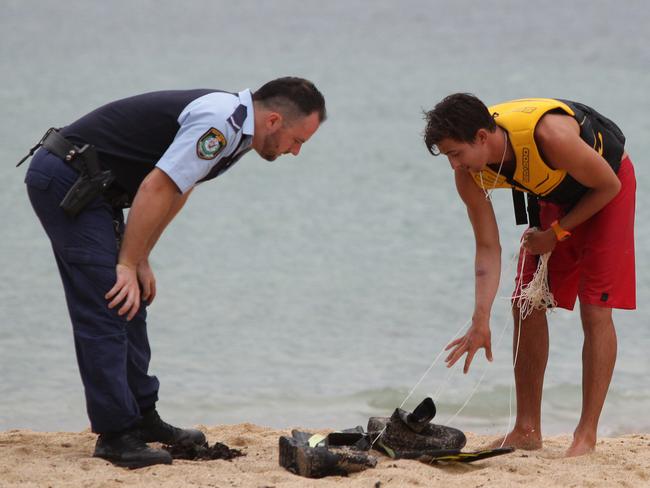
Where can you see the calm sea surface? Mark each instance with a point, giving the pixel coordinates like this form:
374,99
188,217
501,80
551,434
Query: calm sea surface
315,291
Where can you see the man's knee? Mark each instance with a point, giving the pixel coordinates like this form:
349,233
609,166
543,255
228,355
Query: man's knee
534,318
595,318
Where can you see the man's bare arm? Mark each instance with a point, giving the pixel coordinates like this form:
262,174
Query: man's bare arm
487,268
155,204
558,138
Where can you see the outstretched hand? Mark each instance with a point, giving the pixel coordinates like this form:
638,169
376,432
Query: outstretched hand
126,291
472,341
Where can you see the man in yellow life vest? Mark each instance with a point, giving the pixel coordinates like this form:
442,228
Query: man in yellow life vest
571,162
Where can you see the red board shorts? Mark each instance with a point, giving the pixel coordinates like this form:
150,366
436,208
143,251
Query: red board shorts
596,263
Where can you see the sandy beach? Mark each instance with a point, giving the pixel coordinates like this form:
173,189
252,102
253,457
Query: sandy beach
63,459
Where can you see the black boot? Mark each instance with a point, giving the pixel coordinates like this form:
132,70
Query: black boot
126,449
154,429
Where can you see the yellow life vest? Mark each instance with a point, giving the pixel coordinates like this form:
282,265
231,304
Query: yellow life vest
519,119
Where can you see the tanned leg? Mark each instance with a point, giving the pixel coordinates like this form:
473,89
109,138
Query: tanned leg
598,359
529,380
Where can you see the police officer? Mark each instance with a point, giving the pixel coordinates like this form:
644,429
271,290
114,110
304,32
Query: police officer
147,152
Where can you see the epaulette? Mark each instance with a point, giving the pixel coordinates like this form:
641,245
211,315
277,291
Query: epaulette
237,118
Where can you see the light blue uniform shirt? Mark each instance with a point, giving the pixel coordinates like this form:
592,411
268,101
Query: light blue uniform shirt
215,131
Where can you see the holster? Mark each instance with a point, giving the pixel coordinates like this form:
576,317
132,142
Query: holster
92,182
84,190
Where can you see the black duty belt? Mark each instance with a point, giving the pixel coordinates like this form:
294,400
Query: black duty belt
83,159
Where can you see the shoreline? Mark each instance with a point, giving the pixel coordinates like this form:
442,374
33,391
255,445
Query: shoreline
63,459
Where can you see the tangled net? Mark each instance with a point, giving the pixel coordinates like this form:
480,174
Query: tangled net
536,295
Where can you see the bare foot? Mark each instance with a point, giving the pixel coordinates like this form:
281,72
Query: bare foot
527,440
580,447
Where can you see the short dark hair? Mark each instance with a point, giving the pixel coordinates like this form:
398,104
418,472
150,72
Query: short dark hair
293,96
458,117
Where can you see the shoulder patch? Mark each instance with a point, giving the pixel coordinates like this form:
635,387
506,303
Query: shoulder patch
210,144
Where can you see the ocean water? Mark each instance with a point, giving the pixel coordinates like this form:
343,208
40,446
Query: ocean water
316,291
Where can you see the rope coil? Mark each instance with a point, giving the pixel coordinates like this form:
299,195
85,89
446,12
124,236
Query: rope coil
536,294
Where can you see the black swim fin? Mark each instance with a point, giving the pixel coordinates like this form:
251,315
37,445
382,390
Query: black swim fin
442,455
468,457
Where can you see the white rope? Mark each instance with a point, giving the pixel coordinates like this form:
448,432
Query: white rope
443,384
535,295
510,264
503,329
516,355
442,351
478,383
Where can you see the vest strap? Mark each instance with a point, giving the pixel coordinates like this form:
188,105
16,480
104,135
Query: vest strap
520,207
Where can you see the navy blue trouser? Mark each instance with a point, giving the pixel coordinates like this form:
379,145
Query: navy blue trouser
113,354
